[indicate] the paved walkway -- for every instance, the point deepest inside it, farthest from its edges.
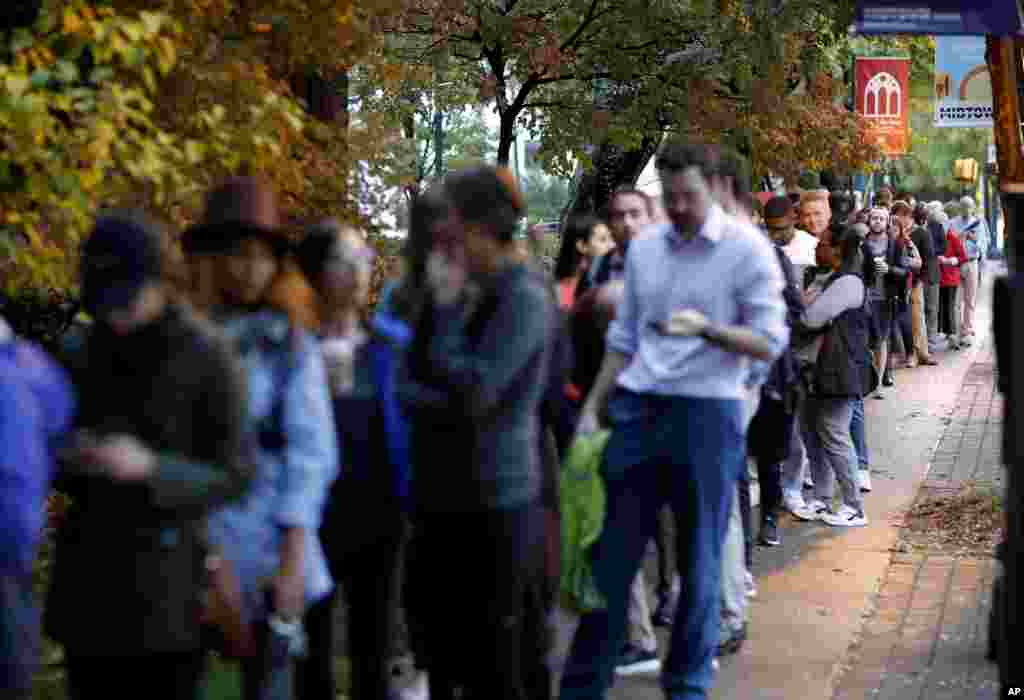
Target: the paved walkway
(841, 614)
(928, 635)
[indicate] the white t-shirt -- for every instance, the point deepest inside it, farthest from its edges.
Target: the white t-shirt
(801, 249)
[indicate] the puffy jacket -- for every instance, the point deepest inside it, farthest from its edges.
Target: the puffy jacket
(127, 573)
(954, 249)
(844, 362)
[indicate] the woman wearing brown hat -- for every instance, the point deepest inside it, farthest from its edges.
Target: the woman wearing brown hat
(246, 281)
(477, 478)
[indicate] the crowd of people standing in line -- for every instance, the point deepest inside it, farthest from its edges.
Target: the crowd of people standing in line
(239, 452)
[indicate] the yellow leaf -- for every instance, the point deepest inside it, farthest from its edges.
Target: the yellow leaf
(72, 23)
(149, 78)
(133, 30)
(194, 151)
(152, 21)
(16, 84)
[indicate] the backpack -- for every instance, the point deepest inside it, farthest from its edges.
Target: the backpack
(770, 430)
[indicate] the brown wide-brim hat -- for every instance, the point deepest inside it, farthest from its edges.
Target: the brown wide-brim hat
(238, 209)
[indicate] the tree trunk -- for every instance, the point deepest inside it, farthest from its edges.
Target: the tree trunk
(613, 168)
(506, 135)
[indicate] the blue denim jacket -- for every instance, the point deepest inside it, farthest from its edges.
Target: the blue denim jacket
(291, 484)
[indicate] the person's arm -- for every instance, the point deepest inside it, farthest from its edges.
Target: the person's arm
(612, 366)
(310, 467)
(622, 341)
(221, 409)
(845, 293)
(959, 251)
(481, 376)
(762, 332)
(742, 341)
(897, 266)
(22, 488)
(914, 261)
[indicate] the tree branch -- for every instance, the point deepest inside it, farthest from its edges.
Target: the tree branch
(571, 41)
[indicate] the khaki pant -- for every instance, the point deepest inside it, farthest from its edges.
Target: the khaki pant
(917, 322)
(639, 629)
(969, 288)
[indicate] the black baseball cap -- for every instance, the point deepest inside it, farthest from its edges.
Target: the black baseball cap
(121, 254)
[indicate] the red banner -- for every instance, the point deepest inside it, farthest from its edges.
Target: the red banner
(883, 102)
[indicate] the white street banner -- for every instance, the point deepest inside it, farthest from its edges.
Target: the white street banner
(963, 89)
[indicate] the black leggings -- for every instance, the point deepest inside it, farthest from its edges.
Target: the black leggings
(368, 577)
(481, 627)
(168, 676)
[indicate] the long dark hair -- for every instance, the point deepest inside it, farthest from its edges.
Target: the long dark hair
(853, 259)
(578, 228)
(424, 213)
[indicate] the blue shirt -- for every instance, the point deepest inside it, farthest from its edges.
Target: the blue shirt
(728, 272)
(36, 407)
(977, 248)
(291, 484)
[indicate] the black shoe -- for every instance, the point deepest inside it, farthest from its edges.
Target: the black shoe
(635, 660)
(734, 643)
(665, 613)
(888, 379)
(769, 535)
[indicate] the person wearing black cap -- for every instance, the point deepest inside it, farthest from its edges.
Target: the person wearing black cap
(799, 246)
(160, 442)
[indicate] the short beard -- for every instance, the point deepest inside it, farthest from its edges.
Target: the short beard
(784, 236)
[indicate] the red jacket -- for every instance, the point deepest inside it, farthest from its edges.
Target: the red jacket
(954, 249)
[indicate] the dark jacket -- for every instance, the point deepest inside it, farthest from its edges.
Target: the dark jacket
(938, 235)
(896, 278)
(366, 501)
(128, 567)
(922, 238)
(473, 388)
(843, 366)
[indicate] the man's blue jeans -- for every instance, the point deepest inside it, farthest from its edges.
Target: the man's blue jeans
(860, 443)
(688, 453)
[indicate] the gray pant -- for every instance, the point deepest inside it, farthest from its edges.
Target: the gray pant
(830, 449)
(734, 574)
(931, 310)
(639, 630)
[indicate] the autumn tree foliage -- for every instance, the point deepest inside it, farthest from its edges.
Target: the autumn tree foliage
(599, 82)
(148, 102)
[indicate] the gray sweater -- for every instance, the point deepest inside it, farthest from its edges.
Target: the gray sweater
(474, 393)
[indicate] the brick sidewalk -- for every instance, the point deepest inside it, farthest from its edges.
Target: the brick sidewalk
(927, 637)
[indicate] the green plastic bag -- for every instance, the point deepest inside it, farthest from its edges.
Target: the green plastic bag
(582, 501)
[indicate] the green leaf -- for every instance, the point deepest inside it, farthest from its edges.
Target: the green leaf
(67, 72)
(101, 74)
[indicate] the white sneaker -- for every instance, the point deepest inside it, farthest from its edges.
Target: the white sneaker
(817, 509)
(794, 503)
(809, 512)
(845, 517)
(864, 480)
(751, 586)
